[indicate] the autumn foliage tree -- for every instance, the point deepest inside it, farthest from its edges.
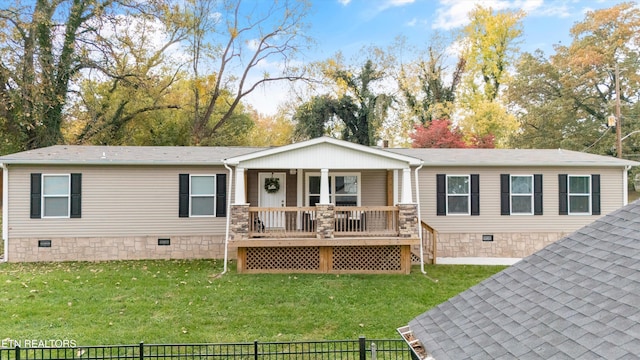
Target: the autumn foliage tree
(441, 133)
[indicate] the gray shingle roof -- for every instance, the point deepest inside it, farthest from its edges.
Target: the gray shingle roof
(161, 155)
(511, 157)
(576, 298)
(169, 155)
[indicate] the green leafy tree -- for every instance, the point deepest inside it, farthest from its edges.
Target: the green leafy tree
(489, 45)
(425, 92)
(357, 112)
(565, 100)
(45, 47)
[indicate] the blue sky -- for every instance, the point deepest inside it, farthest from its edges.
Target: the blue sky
(350, 25)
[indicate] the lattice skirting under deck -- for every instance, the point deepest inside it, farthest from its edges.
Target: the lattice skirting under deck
(325, 259)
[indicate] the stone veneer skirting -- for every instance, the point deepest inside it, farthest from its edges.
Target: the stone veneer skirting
(118, 248)
(504, 245)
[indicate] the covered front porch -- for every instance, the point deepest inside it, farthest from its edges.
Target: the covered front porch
(349, 210)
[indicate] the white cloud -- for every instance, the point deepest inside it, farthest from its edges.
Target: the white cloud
(454, 13)
(344, 2)
(253, 44)
(394, 3)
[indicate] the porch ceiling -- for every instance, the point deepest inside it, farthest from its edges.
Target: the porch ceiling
(324, 153)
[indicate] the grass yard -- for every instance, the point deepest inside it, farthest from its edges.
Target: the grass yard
(187, 302)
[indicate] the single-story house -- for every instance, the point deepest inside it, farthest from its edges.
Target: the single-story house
(318, 205)
(578, 298)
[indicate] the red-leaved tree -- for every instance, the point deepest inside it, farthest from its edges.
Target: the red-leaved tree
(441, 133)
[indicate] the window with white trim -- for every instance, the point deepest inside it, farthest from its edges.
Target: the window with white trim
(344, 189)
(521, 194)
(202, 195)
(579, 192)
(458, 194)
(56, 195)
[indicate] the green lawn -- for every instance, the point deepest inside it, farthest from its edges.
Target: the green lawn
(187, 302)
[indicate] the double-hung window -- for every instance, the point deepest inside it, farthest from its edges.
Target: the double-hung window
(56, 196)
(458, 194)
(202, 195)
(521, 194)
(344, 189)
(579, 194)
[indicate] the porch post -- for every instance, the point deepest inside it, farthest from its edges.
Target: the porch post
(407, 195)
(239, 197)
(324, 186)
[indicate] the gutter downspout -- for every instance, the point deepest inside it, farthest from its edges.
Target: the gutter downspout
(625, 185)
(419, 218)
(5, 210)
(226, 236)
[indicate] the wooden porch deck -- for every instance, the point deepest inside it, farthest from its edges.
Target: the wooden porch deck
(361, 240)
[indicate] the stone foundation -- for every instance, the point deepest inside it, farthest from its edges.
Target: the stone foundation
(127, 248)
(504, 245)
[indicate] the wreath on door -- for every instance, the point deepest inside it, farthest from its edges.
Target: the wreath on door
(272, 185)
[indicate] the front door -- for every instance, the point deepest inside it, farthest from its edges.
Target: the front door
(272, 190)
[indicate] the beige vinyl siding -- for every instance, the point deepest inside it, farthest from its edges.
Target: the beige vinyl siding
(116, 201)
(490, 220)
(374, 188)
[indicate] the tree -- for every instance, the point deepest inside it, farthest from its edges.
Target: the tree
(133, 81)
(441, 133)
(273, 33)
(356, 112)
(564, 101)
(488, 48)
(272, 130)
(424, 89)
(438, 133)
(46, 46)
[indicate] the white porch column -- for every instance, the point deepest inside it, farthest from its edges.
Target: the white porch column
(407, 195)
(239, 194)
(324, 186)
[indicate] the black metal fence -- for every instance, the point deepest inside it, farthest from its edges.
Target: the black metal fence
(360, 349)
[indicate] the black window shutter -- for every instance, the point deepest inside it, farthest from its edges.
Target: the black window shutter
(537, 194)
(36, 196)
(221, 195)
(183, 210)
(563, 206)
(505, 194)
(76, 196)
(475, 194)
(595, 194)
(441, 189)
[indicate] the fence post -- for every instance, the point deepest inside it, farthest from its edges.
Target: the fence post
(17, 352)
(255, 349)
(141, 351)
(363, 348)
(374, 349)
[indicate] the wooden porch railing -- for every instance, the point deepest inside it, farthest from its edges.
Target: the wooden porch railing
(353, 221)
(429, 242)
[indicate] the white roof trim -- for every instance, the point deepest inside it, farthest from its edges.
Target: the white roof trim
(412, 161)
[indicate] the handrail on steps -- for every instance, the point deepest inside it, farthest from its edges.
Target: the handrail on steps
(433, 237)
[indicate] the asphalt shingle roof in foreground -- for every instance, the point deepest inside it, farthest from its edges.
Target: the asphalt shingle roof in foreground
(578, 298)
